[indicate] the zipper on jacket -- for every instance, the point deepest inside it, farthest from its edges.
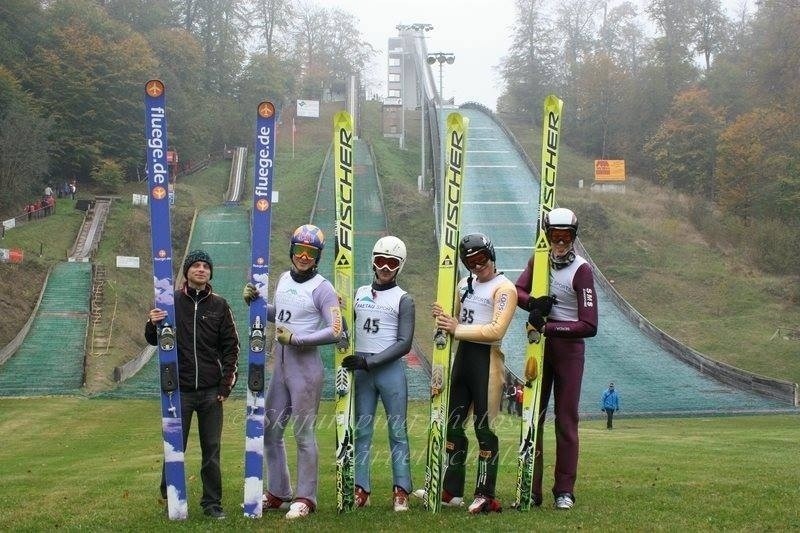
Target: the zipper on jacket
(194, 345)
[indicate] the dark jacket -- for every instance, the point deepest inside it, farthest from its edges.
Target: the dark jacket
(208, 344)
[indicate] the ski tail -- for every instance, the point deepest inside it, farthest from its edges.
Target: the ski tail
(161, 240)
(259, 276)
(540, 286)
(455, 151)
(344, 176)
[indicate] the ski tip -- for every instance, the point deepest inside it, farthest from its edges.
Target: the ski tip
(266, 109)
(552, 100)
(342, 117)
(456, 118)
(154, 88)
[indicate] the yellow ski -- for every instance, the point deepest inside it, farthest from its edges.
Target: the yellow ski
(343, 173)
(551, 132)
(455, 150)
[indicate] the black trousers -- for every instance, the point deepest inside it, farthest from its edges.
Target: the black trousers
(209, 426)
(469, 387)
(609, 418)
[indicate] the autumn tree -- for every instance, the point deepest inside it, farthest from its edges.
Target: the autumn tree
(622, 37)
(529, 69)
(87, 70)
(758, 164)
(327, 47)
(598, 105)
(267, 77)
(711, 29)
(575, 21)
(24, 144)
(773, 53)
(271, 18)
(673, 46)
(684, 147)
(180, 67)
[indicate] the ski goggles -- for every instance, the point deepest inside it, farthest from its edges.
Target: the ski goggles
(477, 259)
(300, 250)
(555, 235)
(387, 262)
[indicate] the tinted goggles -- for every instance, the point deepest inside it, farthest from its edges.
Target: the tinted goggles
(300, 250)
(477, 259)
(555, 235)
(387, 262)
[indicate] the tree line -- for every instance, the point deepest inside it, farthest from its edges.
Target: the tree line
(690, 97)
(72, 75)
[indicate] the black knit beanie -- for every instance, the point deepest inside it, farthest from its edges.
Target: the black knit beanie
(198, 255)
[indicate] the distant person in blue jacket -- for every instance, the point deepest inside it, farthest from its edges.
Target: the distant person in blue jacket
(609, 403)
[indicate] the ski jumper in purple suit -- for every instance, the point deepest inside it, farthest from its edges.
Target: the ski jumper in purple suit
(310, 309)
(573, 317)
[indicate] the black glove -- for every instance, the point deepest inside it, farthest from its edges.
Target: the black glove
(354, 362)
(534, 326)
(536, 320)
(541, 303)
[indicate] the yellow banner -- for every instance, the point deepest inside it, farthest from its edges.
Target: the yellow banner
(609, 170)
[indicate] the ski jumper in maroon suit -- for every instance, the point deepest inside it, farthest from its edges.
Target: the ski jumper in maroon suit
(572, 318)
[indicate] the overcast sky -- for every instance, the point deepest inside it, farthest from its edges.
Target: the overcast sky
(476, 31)
(478, 35)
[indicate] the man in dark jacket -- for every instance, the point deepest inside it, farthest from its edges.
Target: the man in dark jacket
(208, 351)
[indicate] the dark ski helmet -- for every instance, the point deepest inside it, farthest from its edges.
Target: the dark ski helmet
(475, 243)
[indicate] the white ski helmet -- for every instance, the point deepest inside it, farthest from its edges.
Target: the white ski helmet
(561, 218)
(390, 246)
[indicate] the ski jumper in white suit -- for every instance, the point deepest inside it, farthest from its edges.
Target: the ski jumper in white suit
(384, 319)
(310, 309)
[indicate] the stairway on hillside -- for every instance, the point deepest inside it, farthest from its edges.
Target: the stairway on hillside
(100, 327)
(91, 229)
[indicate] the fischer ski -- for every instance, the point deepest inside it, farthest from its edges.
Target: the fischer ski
(161, 239)
(259, 276)
(455, 150)
(343, 173)
(540, 286)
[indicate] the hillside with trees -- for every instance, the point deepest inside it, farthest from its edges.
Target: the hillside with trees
(72, 72)
(703, 103)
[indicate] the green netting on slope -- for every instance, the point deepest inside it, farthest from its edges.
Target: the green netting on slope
(501, 199)
(224, 232)
(50, 360)
(370, 224)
